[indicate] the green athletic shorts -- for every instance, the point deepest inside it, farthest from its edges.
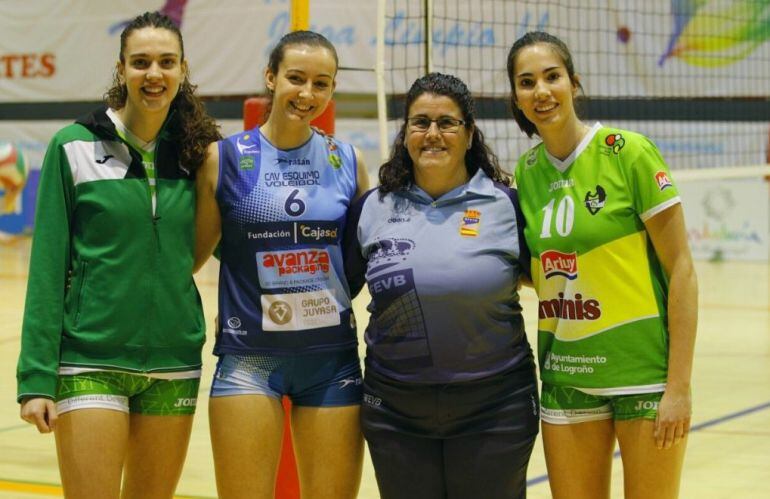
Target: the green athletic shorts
(126, 392)
(567, 405)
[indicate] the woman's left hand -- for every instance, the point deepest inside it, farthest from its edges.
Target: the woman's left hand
(673, 422)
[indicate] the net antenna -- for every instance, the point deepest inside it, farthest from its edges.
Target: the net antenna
(400, 27)
(428, 35)
(379, 71)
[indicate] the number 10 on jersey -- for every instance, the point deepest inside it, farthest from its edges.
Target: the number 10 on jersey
(564, 219)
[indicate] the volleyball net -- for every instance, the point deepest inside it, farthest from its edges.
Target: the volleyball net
(692, 76)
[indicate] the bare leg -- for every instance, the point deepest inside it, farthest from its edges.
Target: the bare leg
(91, 445)
(330, 449)
(156, 453)
(648, 472)
(579, 459)
(246, 433)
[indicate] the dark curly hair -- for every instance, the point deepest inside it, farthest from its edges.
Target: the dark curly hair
(191, 129)
(301, 37)
(398, 172)
(533, 38)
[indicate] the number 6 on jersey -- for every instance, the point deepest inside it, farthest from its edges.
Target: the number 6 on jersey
(294, 206)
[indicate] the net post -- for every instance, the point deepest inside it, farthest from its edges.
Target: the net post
(379, 71)
(299, 15)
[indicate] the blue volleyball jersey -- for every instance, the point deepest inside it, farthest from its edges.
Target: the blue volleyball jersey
(281, 282)
(443, 277)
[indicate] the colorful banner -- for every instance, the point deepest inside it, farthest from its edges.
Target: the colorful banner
(727, 219)
(66, 51)
(621, 48)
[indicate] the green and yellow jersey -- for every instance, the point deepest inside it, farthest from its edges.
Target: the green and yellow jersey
(602, 292)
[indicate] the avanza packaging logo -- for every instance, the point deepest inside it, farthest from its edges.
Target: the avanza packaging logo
(297, 262)
(557, 263)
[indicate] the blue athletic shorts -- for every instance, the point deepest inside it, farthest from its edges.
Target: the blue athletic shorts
(326, 379)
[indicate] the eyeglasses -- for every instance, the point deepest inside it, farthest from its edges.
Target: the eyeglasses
(446, 124)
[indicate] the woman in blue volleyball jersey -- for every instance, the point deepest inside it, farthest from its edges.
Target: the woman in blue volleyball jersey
(275, 198)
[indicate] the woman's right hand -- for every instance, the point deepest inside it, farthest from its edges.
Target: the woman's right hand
(40, 412)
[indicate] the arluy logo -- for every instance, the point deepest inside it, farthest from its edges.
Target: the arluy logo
(557, 263)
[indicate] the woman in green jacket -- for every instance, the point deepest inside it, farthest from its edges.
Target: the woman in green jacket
(112, 361)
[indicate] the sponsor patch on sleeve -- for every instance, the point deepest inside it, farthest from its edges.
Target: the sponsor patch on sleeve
(662, 179)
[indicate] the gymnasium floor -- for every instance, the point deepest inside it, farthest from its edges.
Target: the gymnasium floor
(729, 448)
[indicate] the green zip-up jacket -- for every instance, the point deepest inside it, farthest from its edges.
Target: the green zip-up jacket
(132, 304)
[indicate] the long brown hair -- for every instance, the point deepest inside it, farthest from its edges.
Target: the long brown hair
(191, 129)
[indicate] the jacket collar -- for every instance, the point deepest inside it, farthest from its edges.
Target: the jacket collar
(479, 186)
(166, 162)
(100, 124)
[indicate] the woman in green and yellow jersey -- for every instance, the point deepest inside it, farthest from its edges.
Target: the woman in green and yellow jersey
(616, 286)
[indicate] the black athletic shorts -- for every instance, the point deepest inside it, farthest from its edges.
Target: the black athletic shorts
(503, 403)
(453, 441)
